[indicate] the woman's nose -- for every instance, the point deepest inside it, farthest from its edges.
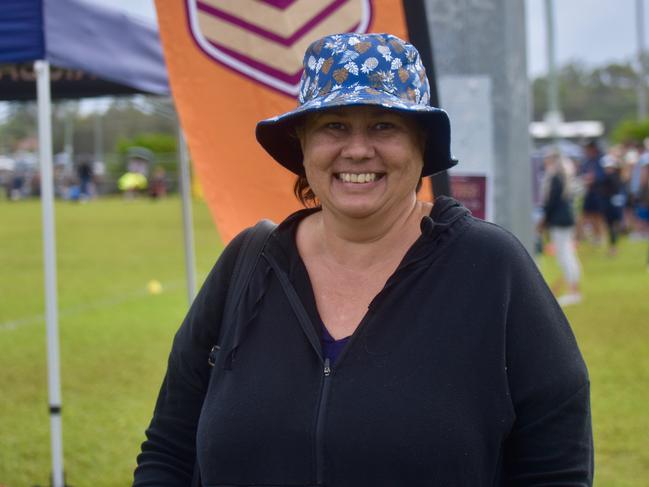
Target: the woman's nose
(358, 146)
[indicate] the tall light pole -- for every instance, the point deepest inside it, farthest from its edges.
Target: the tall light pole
(640, 87)
(98, 138)
(553, 116)
(68, 135)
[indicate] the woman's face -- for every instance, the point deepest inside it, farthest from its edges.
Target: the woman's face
(361, 161)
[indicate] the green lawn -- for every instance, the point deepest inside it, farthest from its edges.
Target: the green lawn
(612, 328)
(115, 337)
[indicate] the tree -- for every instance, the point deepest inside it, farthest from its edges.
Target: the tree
(125, 117)
(631, 131)
(606, 93)
(20, 123)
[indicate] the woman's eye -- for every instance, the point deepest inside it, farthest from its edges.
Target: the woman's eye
(384, 126)
(335, 126)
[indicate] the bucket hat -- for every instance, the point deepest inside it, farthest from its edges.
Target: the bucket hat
(361, 69)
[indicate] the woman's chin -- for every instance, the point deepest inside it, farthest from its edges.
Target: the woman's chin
(356, 200)
(356, 208)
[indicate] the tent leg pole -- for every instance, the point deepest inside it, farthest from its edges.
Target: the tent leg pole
(188, 230)
(42, 69)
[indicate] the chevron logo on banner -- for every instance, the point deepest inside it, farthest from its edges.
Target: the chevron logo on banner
(266, 39)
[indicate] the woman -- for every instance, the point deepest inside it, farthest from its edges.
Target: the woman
(382, 340)
(559, 220)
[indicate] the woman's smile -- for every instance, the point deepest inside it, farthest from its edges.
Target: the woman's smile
(358, 178)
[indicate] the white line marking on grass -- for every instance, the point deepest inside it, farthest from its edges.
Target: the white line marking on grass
(94, 305)
(13, 324)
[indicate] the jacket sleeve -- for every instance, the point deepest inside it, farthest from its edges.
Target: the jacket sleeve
(550, 443)
(168, 453)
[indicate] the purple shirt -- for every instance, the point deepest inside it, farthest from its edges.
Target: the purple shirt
(331, 347)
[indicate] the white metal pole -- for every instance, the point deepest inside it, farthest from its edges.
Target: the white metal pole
(188, 229)
(42, 69)
(641, 88)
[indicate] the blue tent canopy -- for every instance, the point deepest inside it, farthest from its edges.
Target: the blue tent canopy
(21, 31)
(79, 35)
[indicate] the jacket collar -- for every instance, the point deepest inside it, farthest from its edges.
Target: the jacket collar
(436, 228)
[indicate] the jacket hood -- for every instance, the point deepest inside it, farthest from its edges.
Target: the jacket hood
(446, 211)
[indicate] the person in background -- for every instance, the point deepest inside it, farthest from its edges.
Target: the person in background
(639, 193)
(382, 340)
(18, 180)
(592, 213)
(84, 172)
(559, 221)
(614, 199)
(158, 183)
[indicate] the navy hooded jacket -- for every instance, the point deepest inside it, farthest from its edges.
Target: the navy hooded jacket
(464, 372)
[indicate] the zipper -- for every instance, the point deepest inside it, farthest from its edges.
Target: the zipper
(319, 428)
(309, 330)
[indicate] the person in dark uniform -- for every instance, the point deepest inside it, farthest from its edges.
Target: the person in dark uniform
(614, 200)
(594, 204)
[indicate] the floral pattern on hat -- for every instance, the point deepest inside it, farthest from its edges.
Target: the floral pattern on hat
(360, 69)
(339, 66)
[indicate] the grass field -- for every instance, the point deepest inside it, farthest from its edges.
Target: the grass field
(115, 337)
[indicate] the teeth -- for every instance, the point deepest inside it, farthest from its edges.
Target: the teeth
(361, 178)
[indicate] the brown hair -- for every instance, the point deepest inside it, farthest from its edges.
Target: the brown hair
(304, 193)
(301, 188)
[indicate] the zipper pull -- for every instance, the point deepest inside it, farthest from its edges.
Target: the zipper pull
(327, 367)
(211, 359)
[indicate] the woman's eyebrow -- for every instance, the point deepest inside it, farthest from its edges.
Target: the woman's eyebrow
(337, 112)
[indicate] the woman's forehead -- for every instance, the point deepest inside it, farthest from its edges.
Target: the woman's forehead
(361, 111)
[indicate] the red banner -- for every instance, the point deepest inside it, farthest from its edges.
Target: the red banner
(471, 191)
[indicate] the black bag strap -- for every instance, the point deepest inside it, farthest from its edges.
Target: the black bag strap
(249, 254)
(296, 305)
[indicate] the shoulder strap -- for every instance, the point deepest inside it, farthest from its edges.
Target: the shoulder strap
(246, 262)
(296, 305)
(249, 254)
(253, 243)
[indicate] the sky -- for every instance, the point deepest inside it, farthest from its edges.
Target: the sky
(594, 32)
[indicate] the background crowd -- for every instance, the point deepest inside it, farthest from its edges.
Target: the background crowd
(595, 196)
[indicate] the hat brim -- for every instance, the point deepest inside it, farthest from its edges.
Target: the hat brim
(277, 135)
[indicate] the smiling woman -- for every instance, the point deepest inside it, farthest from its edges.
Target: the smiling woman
(381, 340)
(360, 159)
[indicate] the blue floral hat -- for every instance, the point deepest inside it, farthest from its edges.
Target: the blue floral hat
(361, 69)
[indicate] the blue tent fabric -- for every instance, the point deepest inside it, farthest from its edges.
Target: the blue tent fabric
(81, 35)
(21, 31)
(106, 43)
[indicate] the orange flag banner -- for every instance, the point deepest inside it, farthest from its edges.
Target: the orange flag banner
(232, 63)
